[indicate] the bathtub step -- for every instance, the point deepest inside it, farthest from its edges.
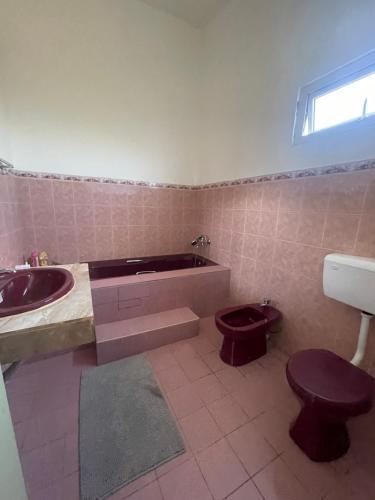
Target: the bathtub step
(120, 339)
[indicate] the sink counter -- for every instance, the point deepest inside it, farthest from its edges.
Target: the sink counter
(67, 322)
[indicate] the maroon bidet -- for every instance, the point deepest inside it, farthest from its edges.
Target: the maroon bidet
(331, 390)
(244, 329)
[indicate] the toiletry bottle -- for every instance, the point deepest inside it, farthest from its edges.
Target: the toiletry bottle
(43, 258)
(34, 259)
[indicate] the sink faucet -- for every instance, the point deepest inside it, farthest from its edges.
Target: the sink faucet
(201, 241)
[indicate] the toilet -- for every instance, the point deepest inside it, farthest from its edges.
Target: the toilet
(331, 389)
(244, 330)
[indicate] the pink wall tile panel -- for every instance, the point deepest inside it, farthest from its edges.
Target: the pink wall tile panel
(90, 221)
(15, 219)
(274, 236)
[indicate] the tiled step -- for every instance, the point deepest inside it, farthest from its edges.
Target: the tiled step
(119, 339)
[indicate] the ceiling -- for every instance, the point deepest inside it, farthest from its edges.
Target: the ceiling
(195, 12)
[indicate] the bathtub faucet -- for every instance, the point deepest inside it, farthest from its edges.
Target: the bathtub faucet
(202, 241)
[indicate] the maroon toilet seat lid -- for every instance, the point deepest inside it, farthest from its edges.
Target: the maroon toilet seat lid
(320, 374)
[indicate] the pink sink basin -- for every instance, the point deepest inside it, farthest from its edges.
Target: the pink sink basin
(30, 289)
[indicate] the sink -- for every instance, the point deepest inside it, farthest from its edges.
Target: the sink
(30, 289)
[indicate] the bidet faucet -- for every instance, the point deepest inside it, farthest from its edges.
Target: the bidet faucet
(201, 241)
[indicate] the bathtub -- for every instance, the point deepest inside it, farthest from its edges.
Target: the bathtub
(145, 265)
(132, 287)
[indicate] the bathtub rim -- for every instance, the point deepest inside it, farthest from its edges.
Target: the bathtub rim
(160, 275)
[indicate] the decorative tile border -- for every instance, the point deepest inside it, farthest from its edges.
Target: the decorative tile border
(102, 180)
(355, 166)
(297, 174)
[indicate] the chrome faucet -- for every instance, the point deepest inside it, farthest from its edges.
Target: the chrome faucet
(201, 241)
(7, 270)
(266, 302)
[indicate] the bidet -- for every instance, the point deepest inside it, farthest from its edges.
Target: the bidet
(244, 329)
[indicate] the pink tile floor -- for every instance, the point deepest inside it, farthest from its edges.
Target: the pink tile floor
(234, 421)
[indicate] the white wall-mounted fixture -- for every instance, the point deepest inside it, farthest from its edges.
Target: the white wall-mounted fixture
(351, 280)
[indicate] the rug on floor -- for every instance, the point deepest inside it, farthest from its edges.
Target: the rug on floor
(125, 426)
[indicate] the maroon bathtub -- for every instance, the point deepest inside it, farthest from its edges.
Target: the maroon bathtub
(145, 265)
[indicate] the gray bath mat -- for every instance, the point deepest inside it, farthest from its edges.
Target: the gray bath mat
(125, 428)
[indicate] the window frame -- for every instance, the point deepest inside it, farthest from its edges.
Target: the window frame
(341, 76)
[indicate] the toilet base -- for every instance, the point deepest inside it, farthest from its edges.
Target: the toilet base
(241, 352)
(320, 437)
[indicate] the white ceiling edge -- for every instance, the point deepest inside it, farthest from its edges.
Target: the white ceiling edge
(197, 13)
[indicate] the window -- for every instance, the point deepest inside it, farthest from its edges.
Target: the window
(340, 100)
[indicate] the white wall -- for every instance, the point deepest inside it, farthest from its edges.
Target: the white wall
(257, 55)
(120, 89)
(12, 486)
(4, 140)
(106, 88)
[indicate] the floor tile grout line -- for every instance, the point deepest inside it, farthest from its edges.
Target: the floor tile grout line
(292, 471)
(204, 477)
(160, 490)
(200, 450)
(233, 430)
(205, 404)
(259, 491)
(265, 466)
(241, 485)
(243, 465)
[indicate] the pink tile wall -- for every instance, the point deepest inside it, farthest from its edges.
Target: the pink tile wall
(274, 236)
(78, 221)
(14, 219)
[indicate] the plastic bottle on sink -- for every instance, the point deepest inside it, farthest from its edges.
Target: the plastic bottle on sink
(34, 258)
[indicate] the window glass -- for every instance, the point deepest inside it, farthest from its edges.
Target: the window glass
(349, 102)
